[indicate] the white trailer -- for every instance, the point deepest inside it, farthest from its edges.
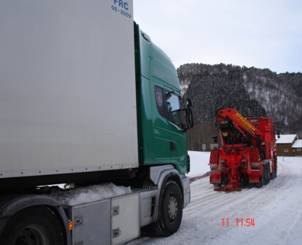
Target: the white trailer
(74, 58)
(70, 105)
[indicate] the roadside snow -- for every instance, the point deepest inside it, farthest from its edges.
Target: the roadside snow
(90, 194)
(199, 163)
(275, 208)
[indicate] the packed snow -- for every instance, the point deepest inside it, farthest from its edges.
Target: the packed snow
(199, 163)
(275, 209)
(90, 194)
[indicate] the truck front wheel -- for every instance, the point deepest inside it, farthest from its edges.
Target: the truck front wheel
(170, 209)
(34, 226)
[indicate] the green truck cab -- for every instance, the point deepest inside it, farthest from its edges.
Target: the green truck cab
(161, 118)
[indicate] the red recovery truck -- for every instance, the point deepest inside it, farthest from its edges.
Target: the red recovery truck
(246, 153)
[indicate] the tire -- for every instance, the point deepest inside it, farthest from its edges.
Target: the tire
(260, 184)
(262, 179)
(170, 210)
(34, 226)
(268, 173)
(274, 175)
(276, 170)
(265, 174)
(217, 186)
(244, 181)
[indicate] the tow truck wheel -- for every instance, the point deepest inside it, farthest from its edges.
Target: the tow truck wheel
(265, 173)
(170, 209)
(34, 226)
(217, 187)
(262, 179)
(268, 174)
(274, 175)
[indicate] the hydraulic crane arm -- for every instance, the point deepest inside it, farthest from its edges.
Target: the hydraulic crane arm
(240, 123)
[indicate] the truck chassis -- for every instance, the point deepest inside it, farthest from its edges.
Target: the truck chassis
(44, 219)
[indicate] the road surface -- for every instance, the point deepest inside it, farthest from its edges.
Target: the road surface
(276, 210)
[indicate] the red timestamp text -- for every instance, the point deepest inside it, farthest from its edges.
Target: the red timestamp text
(237, 222)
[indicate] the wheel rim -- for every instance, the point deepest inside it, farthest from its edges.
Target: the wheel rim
(172, 208)
(32, 235)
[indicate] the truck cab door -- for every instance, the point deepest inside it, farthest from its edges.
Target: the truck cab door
(169, 137)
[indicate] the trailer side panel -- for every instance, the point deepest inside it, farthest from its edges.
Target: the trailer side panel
(67, 87)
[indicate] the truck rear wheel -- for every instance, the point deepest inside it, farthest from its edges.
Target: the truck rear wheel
(268, 170)
(265, 173)
(170, 209)
(34, 226)
(262, 178)
(274, 175)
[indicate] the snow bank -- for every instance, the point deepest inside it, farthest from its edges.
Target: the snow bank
(90, 194)
(199, 163)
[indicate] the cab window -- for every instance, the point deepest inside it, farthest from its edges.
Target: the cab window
(167, 104)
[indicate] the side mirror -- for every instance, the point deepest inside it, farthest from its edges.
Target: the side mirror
(189, 117)
(189, 103)
(181, 118)
(185, 118)
(190, 121)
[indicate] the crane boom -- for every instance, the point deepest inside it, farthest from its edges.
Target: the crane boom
(238, 121)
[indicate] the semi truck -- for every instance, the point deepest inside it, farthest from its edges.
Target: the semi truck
(246, 153)
(87, 99)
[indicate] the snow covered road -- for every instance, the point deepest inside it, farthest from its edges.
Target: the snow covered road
(276, 210)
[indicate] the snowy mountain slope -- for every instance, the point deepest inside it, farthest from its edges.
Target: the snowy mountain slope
(252, 91)
(275, 94)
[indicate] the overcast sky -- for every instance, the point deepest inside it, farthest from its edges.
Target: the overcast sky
(260, 33)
